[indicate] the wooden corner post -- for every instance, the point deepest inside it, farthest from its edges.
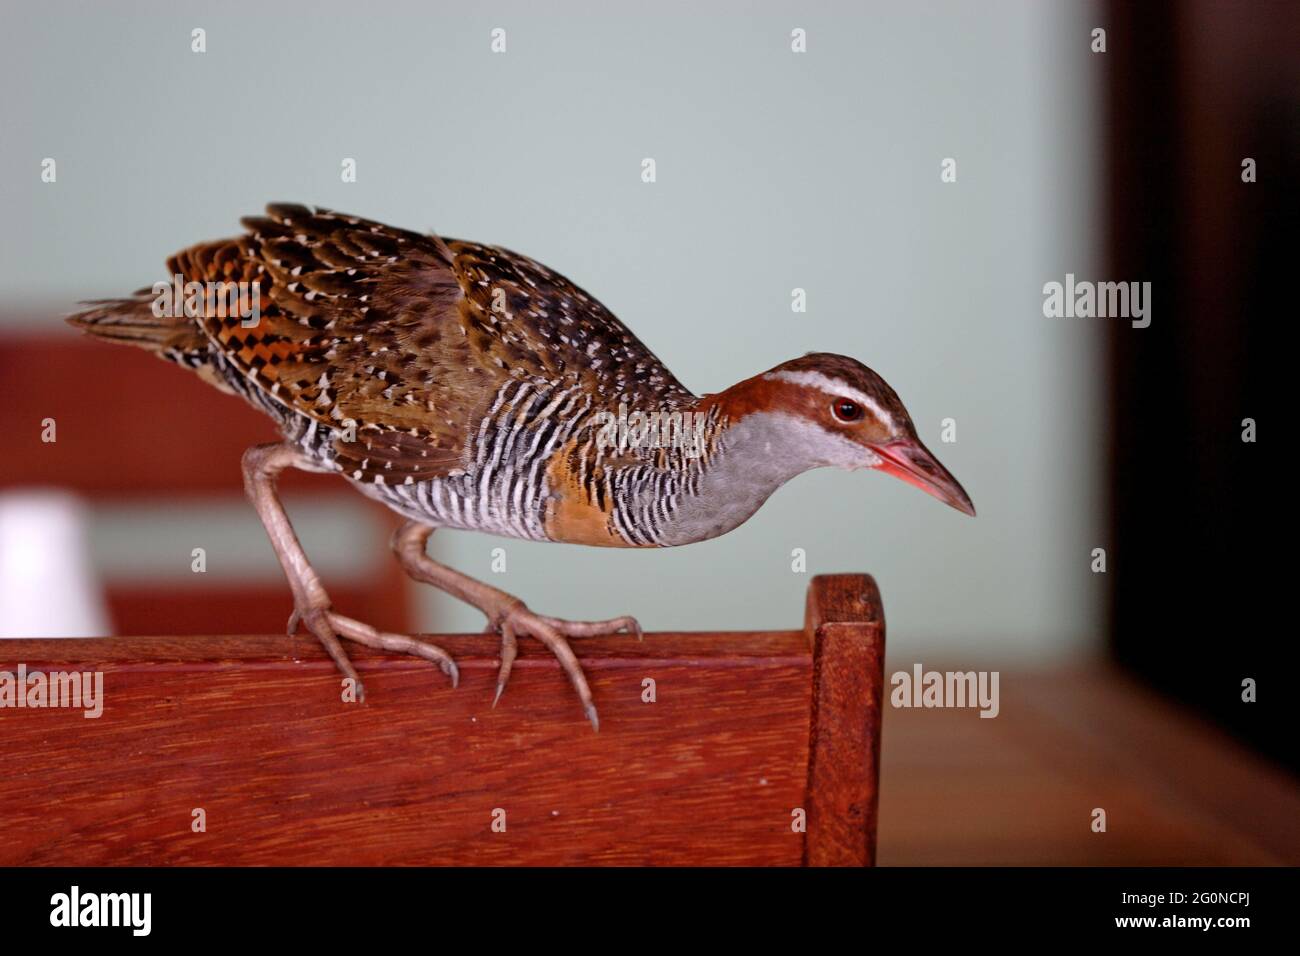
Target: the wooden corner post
(845, 625)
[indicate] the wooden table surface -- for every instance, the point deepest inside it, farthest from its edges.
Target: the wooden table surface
(1019, 789)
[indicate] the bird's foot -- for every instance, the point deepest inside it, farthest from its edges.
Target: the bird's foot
(328, 626)
(514, 619)
(615, 625)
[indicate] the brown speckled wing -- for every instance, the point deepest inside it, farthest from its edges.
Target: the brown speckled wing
(531, 321)
(408, 336)
(359, 324)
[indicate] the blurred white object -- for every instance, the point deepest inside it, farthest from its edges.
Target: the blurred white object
(47, 585)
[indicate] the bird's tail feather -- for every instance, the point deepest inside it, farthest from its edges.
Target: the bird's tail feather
(133, 322)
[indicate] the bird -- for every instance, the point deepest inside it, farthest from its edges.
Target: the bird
(467, 386)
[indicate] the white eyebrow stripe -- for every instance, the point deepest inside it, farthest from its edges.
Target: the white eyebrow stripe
(833, 389)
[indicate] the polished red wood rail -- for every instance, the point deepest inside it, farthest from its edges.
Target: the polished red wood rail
(713, 748)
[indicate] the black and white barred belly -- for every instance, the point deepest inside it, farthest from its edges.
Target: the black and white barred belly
(502, 488)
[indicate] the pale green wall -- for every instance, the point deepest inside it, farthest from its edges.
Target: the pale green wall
(775, 170)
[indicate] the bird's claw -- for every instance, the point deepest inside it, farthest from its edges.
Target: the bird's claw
(516, 620)
(328, 626)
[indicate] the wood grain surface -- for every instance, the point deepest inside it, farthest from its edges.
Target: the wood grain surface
(846, 629)
(253, 731)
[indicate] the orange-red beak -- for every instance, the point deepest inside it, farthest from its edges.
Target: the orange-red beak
(908, 459)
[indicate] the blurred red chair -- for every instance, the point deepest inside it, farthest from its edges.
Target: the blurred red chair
(131, 427)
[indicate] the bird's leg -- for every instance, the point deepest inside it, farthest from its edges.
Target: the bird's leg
(506, 613)
(311, 605)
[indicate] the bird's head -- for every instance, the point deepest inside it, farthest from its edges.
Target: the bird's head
(831, 410)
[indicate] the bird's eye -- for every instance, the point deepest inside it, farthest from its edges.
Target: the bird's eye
(846, 410)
